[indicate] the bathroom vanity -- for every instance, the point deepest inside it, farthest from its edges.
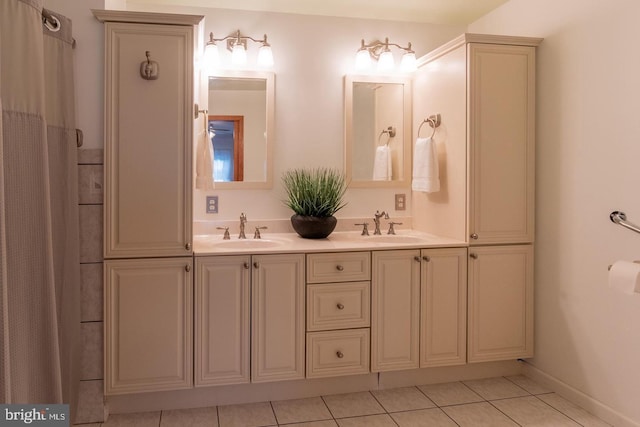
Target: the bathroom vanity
(202, 320)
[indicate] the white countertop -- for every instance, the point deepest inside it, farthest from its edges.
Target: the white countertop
(340, 241)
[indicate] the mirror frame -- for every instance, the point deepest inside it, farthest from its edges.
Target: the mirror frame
(269, 78)
(404, 180)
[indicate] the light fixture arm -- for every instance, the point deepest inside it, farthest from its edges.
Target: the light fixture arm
(376, 47)
(237, 39)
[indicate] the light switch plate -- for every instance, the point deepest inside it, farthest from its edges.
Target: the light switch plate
(212, 204)
(401, 202)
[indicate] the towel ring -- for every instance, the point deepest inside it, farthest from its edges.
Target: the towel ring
(434, 121)
(391, 131)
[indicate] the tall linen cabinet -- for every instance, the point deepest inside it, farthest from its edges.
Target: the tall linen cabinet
(147, 207)
(483, 87)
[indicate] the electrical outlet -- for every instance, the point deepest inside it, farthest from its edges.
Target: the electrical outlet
(401, 202)
(212, 204)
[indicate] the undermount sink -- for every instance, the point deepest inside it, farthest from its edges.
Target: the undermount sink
(395, 238)
(247, 244)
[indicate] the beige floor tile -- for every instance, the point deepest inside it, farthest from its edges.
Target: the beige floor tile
(198, 417)
(383, 420)
(481, 414)
(402, 399)
(450, 394)
(572, 411)
(531, 411)
(300, 410)
(352, 405)
(247, 415)
(528, 384)
(496, 388)
(423, 418)
(139, 419)
(325, 423)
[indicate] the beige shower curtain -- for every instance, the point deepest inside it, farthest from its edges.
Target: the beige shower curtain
(39, 262)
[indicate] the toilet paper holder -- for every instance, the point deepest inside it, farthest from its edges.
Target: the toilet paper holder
(611, 265)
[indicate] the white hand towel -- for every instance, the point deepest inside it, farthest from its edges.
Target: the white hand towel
(204, 162)
(425, 166)
(382, 164)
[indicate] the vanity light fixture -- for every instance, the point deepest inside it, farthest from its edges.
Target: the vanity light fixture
(381, 52)
(237, 45)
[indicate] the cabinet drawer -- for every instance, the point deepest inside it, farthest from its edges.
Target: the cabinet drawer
(338, 306)
(335, 353)
(338, 267)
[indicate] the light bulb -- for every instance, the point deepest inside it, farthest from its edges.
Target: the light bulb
(363, 60)
(238, 55)
(409, 63)
(265, 57)
(210, 58)
(385, 61)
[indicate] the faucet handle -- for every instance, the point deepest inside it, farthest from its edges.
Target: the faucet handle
(226, 232)
(256, 235)
(391, 229)
(365, 228)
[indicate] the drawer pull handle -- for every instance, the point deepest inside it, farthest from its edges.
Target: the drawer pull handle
(188, 246)
(339, 267)
(187, 268)
(474, 236)
(473, 255)
(426, 258)
(246, 265)
(339, 354)
(417, 258)
(340, 306)
(256, 265)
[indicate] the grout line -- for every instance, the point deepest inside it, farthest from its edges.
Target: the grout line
(328, 408)
(160, 420)
(273, 411)
(505, 414)
(218, 415)
(559, 411)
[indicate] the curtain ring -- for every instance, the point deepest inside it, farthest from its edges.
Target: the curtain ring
(52, 23)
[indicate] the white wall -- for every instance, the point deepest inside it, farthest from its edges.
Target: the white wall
(588, 133)
(312, 54)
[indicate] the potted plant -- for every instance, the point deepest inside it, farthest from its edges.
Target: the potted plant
(314, 195)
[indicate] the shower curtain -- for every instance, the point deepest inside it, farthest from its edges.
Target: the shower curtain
(39, 262)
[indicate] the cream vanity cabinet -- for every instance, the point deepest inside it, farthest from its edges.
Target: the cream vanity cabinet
(338, 313)
(483, 87)
(249, 318)
(418, 308)
(149, 79)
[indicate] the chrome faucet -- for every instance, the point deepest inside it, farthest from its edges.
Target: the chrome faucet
(243, 221)
(376, 220)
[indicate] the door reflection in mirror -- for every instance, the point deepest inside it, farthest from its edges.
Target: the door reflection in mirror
(227, 136)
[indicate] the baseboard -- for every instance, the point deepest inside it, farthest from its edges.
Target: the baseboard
(574, 395)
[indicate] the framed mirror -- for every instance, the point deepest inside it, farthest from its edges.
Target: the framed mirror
(240, 123)
(377, 131)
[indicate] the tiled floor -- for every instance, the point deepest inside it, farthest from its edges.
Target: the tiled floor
(494, 402)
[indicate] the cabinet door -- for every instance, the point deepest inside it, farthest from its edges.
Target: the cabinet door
(501, 140)
(277, 317)
(148, 141)
(500, 303)
(222, 320)
(443, 315)
(395, 310)
(148, 331)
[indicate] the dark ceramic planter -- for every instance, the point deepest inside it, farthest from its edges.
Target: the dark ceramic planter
(313, 227)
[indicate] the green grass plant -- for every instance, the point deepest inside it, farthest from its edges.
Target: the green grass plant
(315, 192)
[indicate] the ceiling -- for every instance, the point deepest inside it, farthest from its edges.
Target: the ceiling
(456, 12)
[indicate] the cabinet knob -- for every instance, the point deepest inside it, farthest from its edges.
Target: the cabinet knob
(188, 246)
(426, 258)
(473, 255)
(340, 306)
(256, 264)
(339, 354)
(417, 258)
(246, 265)
(474, 236)
(187, 268)
(339, 267)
